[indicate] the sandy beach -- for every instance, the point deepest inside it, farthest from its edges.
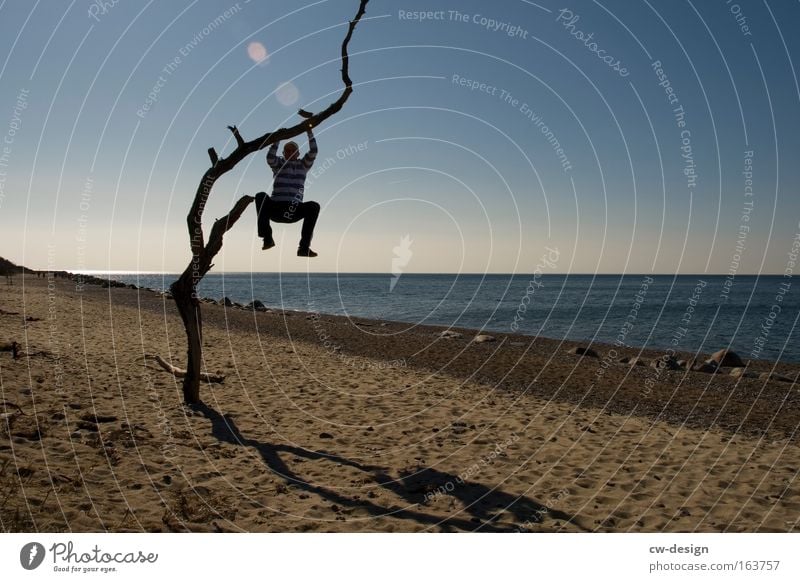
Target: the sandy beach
(329, 424)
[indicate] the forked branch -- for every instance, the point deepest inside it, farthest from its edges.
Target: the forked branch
(184, 289)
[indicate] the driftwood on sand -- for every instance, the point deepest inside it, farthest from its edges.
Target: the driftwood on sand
(180, 373)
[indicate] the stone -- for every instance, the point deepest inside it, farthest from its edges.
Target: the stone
(707, 367)
(665, 362)
(450, 334)
(724, 358)
(483, 338)
(582, 351)
(226, 302)
(743, 373)
(256, 306)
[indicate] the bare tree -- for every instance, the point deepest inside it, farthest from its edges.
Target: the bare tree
(184, 290)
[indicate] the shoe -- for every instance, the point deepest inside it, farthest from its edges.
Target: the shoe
(268, 244)
(306, 253)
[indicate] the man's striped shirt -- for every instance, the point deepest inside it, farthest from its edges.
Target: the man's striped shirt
(289, 177)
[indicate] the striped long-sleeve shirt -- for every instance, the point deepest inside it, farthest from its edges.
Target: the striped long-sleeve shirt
(289, 177)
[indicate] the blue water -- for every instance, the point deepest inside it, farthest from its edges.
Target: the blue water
(576, 307)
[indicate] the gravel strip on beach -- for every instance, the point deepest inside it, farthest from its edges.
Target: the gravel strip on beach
(537, 366)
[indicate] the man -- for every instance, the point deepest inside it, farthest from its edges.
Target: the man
(286, 203)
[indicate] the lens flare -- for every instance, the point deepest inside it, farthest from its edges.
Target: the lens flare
(287, 94)
(257, 52)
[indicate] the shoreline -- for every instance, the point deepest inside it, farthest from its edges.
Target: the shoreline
(652, 349)
(383, 428)
(535, 365)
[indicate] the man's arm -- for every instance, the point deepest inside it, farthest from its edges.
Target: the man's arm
(311, 155)
(273, 161)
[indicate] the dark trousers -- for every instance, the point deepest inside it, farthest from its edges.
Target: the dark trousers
(286, 212)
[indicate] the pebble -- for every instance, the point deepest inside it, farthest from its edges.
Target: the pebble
(707, 367)
(726, 358)
(743, 373)
(582, 351)
(449, 334)
(668, 363)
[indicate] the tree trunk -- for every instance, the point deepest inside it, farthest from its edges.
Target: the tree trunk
(184, 290)
(185, 295)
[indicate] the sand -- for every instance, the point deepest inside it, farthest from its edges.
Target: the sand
(384, 428)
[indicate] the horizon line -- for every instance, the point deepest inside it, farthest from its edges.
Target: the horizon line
(97, 272)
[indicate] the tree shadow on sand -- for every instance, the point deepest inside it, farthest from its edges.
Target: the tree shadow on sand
(483, 505)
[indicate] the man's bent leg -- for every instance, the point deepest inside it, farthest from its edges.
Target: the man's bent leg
(309, 211)
(264, 210)
(263, 204)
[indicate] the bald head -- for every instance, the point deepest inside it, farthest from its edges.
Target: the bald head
(290, 151)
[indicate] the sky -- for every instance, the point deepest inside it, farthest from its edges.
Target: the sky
(628, 136)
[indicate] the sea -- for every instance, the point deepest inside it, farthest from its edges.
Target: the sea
(756, 316)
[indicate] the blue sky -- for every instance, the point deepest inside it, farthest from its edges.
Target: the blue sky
(451, 137)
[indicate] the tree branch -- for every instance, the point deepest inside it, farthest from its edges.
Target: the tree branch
(202, 262)
(224, 224)
(236, 134)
